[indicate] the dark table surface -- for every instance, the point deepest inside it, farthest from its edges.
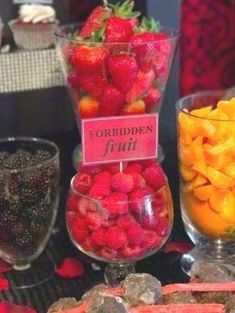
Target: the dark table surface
(166, 267)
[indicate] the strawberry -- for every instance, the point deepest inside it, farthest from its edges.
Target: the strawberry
(144, 47)
(123, 70)
(141, 85)
(134, 22)
(73, 80)
(111, 101)
(135, 107)
(88, 107)
(89, 59)
(94, 22)
(118, 30)
(93, 84)
(152, 99)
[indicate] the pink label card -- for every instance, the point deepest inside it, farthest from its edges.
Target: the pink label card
(116, 139)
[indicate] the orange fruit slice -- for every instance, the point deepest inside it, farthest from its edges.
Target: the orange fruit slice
(187, 125)
(196, 182)
(187, 173)
(230, 170)
(218, 179)
(227, 107)
(203, 192)
(226, 146)
(204, 219)
(202, 112)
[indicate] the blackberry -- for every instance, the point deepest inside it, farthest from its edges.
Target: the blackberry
(30, 213)
(29, 193)
(12, 162)
(24, 238)
(3, 156)
(8, 218)
(38, 227)
(42, 155)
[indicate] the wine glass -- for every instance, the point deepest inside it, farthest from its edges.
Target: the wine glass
(29, 196)
(117, 227)
(206, 145)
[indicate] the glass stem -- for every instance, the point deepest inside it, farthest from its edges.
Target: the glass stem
(115, 273)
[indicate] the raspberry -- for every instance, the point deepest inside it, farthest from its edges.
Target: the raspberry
(115, 168)
(85, 205)
(155, 177)
(148, 163)
(136, 199)
(163, 226)
(134, 168)
(98, 237)
(149, 221)
(91, 169)
(93, 220)
(151, 240)
(107, 253)
(130, 251)
(87, 244)
(126, 221)
(115, 238)
(122, 182)
(72, 202)
(79, 234)
(103, 177)
(135, 235)
(82, 183)
(139, 181)
(116, 203)
(70, 217)
(99, 190)
(79, 230)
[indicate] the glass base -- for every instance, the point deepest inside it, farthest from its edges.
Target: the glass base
(115, 273)
(192, 258)
(30, 275)
(76, 157)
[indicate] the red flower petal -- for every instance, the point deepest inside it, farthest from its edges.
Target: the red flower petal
(4, 266)
(180, 247)
(70, 267)
(8, 307)
(4, 284)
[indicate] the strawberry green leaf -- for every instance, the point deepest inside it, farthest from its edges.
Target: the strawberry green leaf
(149, 25)
(124, 10)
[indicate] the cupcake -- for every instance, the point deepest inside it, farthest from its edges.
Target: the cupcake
(34, 27)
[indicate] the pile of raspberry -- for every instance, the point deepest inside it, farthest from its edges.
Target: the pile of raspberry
(119, 215)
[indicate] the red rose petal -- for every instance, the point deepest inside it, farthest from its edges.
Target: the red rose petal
(70, 268)
(4, 284)
(180, 247)
(8, 307)
(4, 266)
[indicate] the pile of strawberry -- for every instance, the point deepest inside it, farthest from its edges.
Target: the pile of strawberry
(117, 215)
(117, 65)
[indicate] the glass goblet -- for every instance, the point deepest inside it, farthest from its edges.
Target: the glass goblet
(206, 145)
(119, 229)
(29, 196)
(90, 88)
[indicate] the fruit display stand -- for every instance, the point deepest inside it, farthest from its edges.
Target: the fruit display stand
(30, 70)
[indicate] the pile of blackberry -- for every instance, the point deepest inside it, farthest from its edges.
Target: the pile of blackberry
(27, 199)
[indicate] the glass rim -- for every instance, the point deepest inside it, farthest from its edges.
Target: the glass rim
(32, 140)
(149, 197)
(173, 35)
(201, 94)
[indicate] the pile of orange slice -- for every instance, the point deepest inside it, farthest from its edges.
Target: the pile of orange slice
(206, 148)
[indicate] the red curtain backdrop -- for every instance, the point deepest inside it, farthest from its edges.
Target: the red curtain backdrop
(207, 45)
